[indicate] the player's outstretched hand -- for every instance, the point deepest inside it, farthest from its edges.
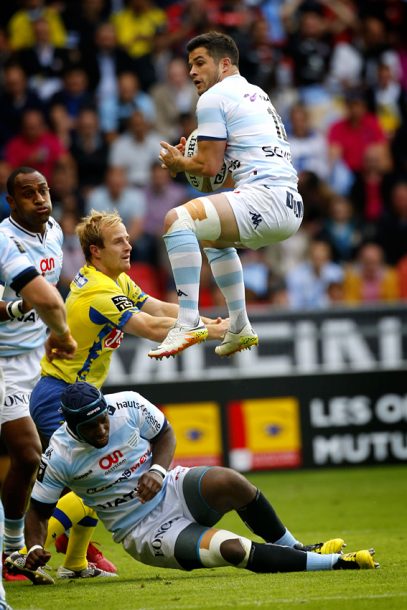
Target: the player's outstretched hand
(216, 328)
(149, 485)
(60, 346)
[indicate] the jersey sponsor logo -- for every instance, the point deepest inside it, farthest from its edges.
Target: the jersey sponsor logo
(122, 302)
(83, 476)
(113, 339)
(126, 404)
(41, 471)
(117, 501)
(47, 264)
(149, 418)
(276, 151)
(108, 461)
(127, 474)
(31, 316)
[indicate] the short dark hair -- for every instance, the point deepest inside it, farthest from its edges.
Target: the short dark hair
(217, 44)
(11, 180)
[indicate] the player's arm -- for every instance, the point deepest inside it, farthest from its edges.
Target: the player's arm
(150, 327)
(36, 526)
(155, 307)
(207, 161)
(50, 307)
(163, 448)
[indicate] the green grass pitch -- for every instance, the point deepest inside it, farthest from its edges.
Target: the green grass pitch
(365, 506)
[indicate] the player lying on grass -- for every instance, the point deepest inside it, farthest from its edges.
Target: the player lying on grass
(115, 452)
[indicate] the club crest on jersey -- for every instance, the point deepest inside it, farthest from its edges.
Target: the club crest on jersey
(122, 302)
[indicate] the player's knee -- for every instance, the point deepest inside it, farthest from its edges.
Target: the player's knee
(222, 548)
(170, 217)
(198, 215)
(232, 551)
(27, 460)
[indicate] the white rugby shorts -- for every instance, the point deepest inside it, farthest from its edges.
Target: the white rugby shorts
(153, 540)
(265, 214)
(21, 373)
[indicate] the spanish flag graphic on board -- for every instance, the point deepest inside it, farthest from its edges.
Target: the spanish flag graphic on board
(264, 433)
(197, 427)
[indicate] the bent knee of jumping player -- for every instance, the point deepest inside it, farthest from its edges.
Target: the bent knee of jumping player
(198, 215)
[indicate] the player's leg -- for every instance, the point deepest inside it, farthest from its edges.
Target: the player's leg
(45, 406)
(22, 442)
(72, 514)
(224, 489)
(3, 603)
(227, 271)
(211, 492)
(24, 449)
(204, 218)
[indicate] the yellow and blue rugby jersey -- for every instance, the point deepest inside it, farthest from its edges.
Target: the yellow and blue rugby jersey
(97, 309)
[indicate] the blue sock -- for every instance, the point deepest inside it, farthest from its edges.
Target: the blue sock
(186, 262)
(321, 562)
(13, 534)
(287, 539)
(228, 274)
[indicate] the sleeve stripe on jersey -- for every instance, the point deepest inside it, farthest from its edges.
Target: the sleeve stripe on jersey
(24, 278)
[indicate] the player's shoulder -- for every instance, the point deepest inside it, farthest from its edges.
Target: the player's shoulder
(89, 277)
(125, 403)
(7, 228)
(60, 448)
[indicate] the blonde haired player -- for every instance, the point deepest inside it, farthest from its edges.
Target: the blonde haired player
(103, 304)
(236, 123)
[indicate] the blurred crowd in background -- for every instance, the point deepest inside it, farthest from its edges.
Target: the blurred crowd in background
(88, 88)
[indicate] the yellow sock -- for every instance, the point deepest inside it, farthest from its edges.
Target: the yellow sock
(71, 513)
(79, 538)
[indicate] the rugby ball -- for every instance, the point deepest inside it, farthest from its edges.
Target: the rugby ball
(205, 184)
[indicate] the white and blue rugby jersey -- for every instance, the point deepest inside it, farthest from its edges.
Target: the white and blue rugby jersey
(106, 479)
(45, 252)
(257, 148)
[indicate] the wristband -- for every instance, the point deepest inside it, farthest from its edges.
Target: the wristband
(160, 469)
(35, 547)
(14, 309)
